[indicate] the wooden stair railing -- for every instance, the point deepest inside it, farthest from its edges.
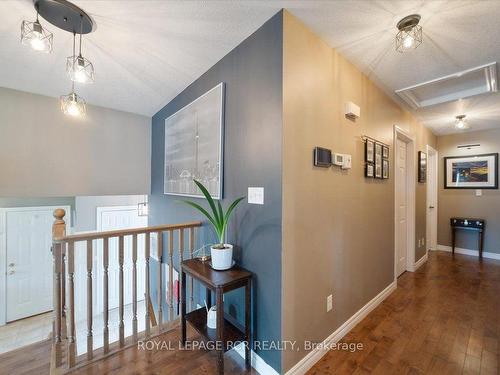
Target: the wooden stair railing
(64, 354)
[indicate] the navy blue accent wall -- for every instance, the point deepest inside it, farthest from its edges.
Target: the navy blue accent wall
(253, 76)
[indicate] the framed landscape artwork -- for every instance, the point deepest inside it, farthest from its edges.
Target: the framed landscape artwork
(471, 172)
(194, 146)
(422, 166)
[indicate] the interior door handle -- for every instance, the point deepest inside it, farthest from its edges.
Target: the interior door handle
(431, 206)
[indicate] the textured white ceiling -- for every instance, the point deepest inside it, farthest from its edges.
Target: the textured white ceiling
(146, 52)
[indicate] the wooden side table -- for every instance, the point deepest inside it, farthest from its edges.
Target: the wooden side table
(220, 282)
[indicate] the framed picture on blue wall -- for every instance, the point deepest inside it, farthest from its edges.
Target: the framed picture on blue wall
(194, 145)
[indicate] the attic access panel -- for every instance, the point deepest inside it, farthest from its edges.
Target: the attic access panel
(471, 82)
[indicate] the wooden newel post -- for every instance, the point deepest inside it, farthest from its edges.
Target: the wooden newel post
(58, 231)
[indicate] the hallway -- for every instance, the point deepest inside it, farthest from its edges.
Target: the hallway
(442, 319)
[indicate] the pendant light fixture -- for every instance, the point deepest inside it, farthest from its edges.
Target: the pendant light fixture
(78, 68)
(409, 35)
(460, 122)
(68, 17)
(72, 104)
(35, 36)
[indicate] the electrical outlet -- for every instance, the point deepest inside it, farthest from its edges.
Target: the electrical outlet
(329, 303)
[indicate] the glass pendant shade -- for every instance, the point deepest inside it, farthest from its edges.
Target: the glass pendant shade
(35, 36)
(409, 35)
(79, 69)
(73, 105)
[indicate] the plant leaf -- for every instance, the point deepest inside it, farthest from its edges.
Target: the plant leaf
(204, 212)
(218, 220)
(221, 211)
(229, 211)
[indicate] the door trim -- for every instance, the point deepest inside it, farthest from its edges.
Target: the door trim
(431, 150)
(3, 249)
(404, 136)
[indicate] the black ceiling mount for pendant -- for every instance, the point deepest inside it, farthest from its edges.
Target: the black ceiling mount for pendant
(65, 15)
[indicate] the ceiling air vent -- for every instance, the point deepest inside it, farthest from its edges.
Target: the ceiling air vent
(471, 82)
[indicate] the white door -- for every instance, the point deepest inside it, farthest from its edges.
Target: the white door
(432, 204)
(401, 206)
(115, 218)
(29, 261)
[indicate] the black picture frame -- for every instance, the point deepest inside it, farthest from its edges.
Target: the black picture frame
(369, 170)
(385, 152)
(422, 167)
(369, 151)
(378, 160)
(447, 185)
(385, 169)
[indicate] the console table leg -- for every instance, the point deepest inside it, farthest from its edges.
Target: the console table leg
(247, 323)
(480, 244)
(183, 308)
(208, 297)
(220, 330)
(453, 240)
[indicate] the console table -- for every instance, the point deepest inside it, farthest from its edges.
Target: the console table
(220, 282)
(477, 225)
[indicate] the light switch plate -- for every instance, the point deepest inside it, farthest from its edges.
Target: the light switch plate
(479, 192)
(329, 303)
(256, 195)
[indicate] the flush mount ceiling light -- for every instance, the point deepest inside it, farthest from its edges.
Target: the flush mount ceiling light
(35, 36)
(409, 35)
(460, 122)
(73, 105)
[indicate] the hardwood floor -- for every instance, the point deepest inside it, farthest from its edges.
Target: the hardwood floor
(442, 319)
(35, 360)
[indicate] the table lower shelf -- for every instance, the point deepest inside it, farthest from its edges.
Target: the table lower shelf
(198, 319)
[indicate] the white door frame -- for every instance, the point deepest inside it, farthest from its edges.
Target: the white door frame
(3, 249)
(404, 136)
(430, 195)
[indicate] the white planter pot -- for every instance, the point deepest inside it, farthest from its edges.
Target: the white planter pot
(222, 259)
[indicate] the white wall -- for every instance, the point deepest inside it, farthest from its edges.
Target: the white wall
(44, 153)
(86, 208)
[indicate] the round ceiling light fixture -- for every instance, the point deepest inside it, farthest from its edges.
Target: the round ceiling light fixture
(35, 36)
(409, 35)
(460, 122)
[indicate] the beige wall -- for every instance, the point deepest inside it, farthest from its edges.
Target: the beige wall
(455, 202)
(338, 235)
(44, 153)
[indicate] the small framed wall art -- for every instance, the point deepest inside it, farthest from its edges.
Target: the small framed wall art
(422, 166)
(385, 169)
(369, 170)
(378, 160)
(385, 152)
(369, 151)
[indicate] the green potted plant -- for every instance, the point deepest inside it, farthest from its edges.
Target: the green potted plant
(221, 253)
